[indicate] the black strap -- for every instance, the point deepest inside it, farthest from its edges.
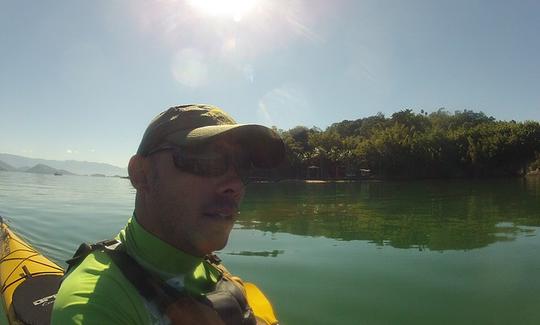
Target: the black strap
(143, 281)
(147, 285)
(85, 249)
(227, 299)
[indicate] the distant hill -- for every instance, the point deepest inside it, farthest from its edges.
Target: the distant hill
(73, 166)
(4, 166)
(44, 169)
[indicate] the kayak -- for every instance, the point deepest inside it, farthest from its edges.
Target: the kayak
(29, 283)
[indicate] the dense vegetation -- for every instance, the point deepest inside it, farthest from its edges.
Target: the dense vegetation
(413, 145)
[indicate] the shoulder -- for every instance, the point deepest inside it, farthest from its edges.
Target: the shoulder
(96, 292)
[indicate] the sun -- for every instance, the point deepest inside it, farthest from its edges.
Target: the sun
(234, 9)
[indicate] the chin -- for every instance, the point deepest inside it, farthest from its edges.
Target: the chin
(215, 246)
(221, 245)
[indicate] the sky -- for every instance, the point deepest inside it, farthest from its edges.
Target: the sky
(80, 80)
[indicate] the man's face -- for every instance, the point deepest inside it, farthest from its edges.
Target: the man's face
(194, 213)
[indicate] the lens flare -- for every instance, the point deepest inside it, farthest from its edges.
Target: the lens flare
(234, 9)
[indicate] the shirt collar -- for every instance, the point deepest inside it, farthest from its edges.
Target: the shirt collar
(155, 254)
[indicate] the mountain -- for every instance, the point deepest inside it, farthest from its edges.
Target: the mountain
(4, 166)
(44, 169)
(72, 166)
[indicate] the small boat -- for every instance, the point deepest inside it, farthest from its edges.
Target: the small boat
(57, 174)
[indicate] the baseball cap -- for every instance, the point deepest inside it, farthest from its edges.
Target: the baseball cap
(199, 124)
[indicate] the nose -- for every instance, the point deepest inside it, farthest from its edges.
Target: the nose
(231, 185)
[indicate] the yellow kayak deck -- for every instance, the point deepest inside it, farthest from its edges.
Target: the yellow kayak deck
(25, 269)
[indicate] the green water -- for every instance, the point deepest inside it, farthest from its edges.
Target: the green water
(423, 252)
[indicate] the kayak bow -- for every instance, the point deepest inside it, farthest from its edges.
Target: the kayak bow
(28, 280)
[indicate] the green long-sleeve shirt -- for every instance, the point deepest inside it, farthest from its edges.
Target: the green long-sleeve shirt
(96, 292)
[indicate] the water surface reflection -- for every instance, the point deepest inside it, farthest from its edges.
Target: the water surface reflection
(435, 215)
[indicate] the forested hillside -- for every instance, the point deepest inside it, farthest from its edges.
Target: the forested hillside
(413, 145)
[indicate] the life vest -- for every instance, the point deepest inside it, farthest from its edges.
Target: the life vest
(227, 299)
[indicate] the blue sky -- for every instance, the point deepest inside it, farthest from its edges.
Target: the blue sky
(81, 79)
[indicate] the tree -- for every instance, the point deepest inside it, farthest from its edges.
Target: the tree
(407, 144)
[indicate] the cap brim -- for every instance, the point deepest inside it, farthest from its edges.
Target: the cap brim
(263, 144)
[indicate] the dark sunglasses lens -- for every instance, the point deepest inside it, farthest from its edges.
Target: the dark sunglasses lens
(201, 164)
(212, 164)
(213, 168)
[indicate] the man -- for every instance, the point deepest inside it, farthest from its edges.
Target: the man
(189, 174)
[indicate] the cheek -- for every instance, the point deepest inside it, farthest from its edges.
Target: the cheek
(181, 193)
(165, 193)
(173, 195)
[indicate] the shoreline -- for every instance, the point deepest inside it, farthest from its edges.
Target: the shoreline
(374, 179)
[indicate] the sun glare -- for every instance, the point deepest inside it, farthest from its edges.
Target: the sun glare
(235, 9)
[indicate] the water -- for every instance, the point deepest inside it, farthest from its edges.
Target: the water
(423, 252)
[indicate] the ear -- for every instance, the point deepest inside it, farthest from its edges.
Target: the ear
(137, 172)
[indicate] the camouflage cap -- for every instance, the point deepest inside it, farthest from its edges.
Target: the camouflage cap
(192, 125)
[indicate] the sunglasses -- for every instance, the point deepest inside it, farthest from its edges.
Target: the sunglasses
(210, 163)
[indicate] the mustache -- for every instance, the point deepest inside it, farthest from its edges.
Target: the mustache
(219, 203)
